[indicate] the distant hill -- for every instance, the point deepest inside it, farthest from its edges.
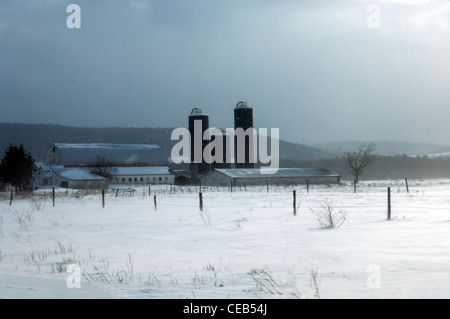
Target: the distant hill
(36, 138)
(386, 148)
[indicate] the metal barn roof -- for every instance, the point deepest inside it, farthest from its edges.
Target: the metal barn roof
(116, 153)
(77, 174)
(282, 172)
(147, 170)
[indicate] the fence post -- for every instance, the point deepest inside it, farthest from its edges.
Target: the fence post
(307, 185)
(389, 204)
(407, 188)
(267, 183)
(295, 203)
(103, 198)
(354, 186)
(11, 197)
(201, 201)
(154, 201)
(53, 196)
(231, 186)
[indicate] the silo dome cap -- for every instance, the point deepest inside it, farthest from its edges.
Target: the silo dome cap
(197, 110)
(241, 104)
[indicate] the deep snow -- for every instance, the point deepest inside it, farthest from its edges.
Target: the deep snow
(245, 243)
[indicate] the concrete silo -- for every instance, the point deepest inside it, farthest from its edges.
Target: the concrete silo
(243, 118)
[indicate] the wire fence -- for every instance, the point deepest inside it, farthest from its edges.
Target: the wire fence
(373, 194)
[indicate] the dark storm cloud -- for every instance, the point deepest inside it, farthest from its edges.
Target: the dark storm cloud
(312, 68)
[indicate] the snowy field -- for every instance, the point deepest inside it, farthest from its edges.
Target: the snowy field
(244, 244)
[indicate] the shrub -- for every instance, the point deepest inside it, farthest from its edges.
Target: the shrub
(328, 216)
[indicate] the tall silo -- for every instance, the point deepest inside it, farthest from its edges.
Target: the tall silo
(198, 164)
(243, 118)
(226, 163)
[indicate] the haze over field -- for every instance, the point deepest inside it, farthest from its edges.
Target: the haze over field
(314, 69)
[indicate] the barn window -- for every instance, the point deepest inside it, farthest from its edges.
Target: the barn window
(135, 179)
(123, 179)
(142, 179)
(129, 179)
(160, 179)
(54, 149)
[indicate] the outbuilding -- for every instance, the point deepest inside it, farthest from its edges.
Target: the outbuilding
(143, 175)
(5, 187)
(284, 176)
(77, 178)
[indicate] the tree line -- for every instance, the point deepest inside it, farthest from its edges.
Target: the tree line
(18, 166)
(384, 167)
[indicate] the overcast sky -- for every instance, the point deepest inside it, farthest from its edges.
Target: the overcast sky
(314, 69)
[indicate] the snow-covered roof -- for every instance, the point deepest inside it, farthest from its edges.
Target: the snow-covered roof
(282, 172)
(81, 173)
(77, 174)
(43, 170)
(147, 170)
(116, 153)
(106, 146)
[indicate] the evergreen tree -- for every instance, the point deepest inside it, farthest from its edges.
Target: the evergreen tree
(17, 167)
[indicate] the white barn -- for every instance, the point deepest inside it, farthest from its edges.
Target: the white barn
(143, 175)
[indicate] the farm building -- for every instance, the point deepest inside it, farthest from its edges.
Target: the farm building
(182, 177)
(5, 187)
(79, 178)
(143, 175)
(253, 176)
(42, 176)
(71, 165)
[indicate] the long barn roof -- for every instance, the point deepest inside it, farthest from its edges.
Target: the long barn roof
(282, 172)
(116, 153)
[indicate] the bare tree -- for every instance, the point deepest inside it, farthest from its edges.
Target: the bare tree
(103, 167)
(360, 159)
